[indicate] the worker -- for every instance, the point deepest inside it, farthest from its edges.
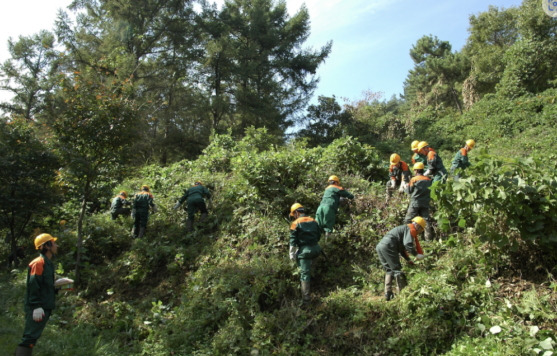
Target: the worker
(120, 205)
(304, 248)
(399, 175)
(416, 157)
(400, 241)
(460, 160)
(142, 201)
(420, 197)
(327, 210)
(435, 167)
(195, 202)
(40, 293)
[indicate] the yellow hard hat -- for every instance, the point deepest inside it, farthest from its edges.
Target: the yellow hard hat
(334, 178)
(420, 221)
(395, 158)
(42, 238)
(145, 188)
(124, 193)
(295, 207)
(422, 145)
(470, 143)
(414, 145)
(418, 165)
(63, 222)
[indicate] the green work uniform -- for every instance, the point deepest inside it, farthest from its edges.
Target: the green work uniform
(400, 241)
(118, 208)
(435, 166)
(327, 210)
(460, 160)
(416, 157)
(420, 197)
(305, 234)
(194, 198)
(40, 293)
(141, 204)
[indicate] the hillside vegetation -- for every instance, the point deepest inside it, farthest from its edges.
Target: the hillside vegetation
(229, 287)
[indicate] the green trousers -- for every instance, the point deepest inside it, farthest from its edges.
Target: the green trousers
(140, 221)
(389, 258)
(304, 259)
(325, 217)
(33, 329)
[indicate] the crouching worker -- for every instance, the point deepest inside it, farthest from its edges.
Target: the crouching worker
(194, 197)
(304, 248)
(120, 205)
(400, 241)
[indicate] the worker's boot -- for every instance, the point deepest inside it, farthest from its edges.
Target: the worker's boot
(305, 292)
(401, 282)
(23, 351)
(189, 225)
(141, 232)
(389, 287)
(428, 233)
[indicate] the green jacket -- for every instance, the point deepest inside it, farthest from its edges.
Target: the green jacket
(419, 192)
(40, 284)
(402, 239)
(460, 160)
(419, 158)
(118, 202)
(332, 196)
(304, 231)
(435, 165)
(142, 201)
(195, 194)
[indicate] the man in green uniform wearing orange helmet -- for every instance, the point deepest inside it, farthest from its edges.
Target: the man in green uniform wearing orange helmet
(400, 241)
(40, 294)
(304, 245)
(327, 210)
(420, 197)
(460, 159)
(142, 201)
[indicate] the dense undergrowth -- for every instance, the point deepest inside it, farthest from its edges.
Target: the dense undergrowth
(229, 288)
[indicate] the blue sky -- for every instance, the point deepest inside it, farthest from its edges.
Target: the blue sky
(371, 38)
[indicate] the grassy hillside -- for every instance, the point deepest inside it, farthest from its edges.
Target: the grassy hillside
(230, 289)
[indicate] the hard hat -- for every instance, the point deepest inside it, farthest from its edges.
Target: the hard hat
(470, 143)
(295, 207)
(420, 221)
(63, 222)
(124, 193)
(145, 188)
(395, 158)
(419, 165)
(414, 145)
(422, 145)
(42, 238)
(334, 178)
(198, 182)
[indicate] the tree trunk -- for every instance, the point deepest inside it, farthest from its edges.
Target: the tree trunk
(80, 234)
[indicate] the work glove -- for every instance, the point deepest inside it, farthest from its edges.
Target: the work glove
(38, 314)
(420, 257)
(403, 186)
(428, 173)
(393, 183)
(176, 206)
(293, 251)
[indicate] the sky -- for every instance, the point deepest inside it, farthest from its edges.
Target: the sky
(371, 38)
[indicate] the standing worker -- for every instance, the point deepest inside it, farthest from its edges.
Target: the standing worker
(40, 293)
(304, 248)
(400, 241)
(460, 160)
(416, 157)
(142, 201)
(119, 205)
(327, 210)
(399, 175)
(420, 197)
(194, 197)
(435, 167)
